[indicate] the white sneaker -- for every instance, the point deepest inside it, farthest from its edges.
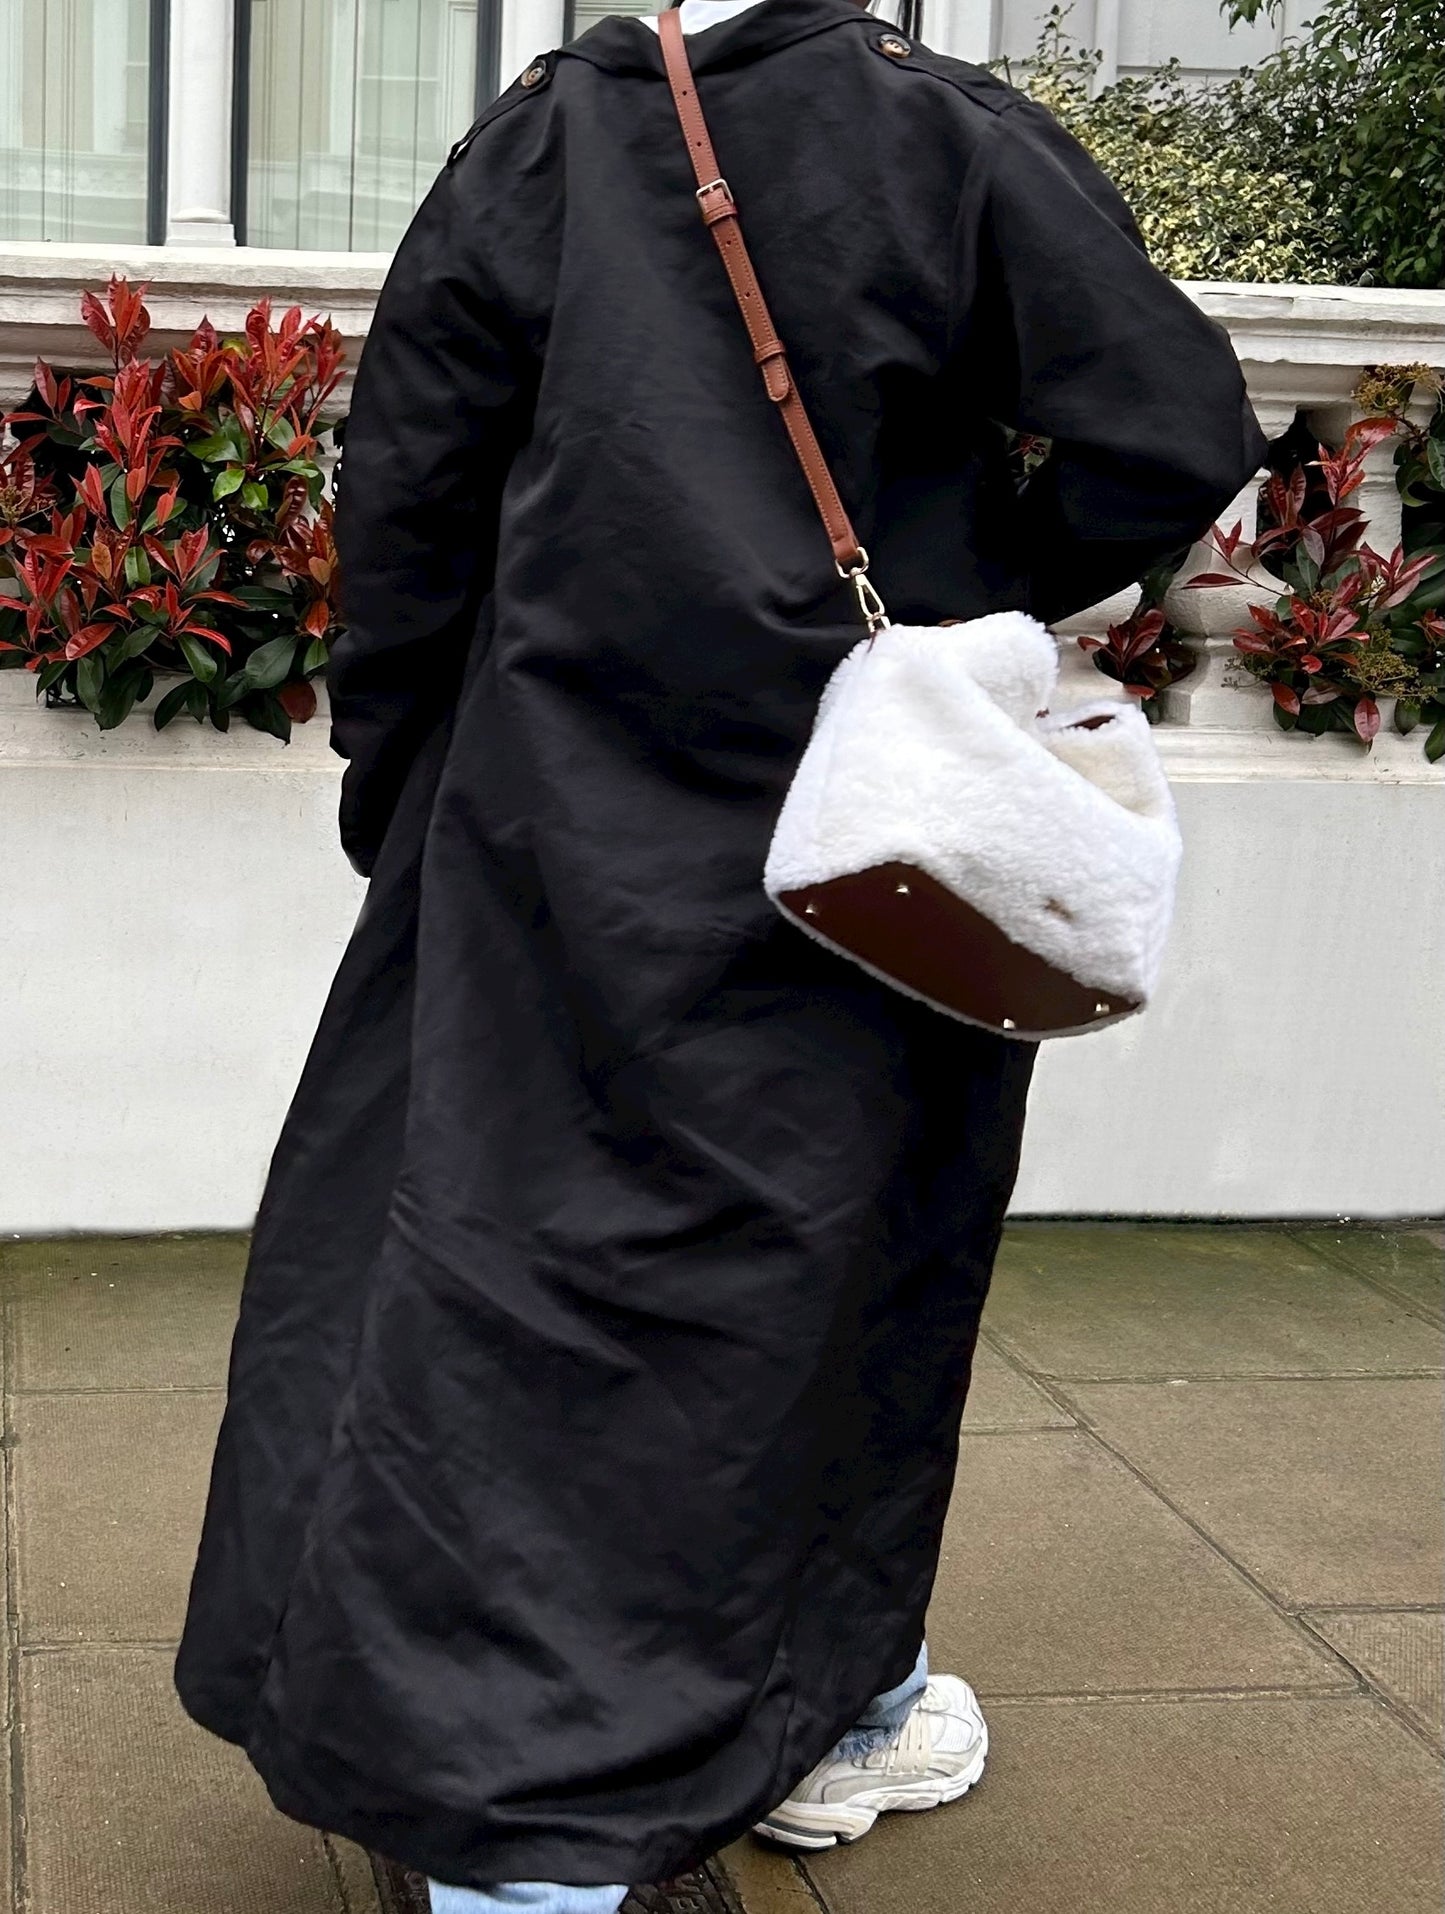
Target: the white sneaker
(935, 1756)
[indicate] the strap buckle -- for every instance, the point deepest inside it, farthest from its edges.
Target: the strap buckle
(710, 210)
(875, 612)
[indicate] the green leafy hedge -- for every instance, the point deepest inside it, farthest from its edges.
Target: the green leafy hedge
(1325, 164)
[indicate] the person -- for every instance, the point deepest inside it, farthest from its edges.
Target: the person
(596, 1390)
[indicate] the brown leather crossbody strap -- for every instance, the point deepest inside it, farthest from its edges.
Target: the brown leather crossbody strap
(720, 213)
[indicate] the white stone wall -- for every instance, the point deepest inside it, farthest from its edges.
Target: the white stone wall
(172, 906)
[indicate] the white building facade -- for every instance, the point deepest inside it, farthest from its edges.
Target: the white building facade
(317, 125)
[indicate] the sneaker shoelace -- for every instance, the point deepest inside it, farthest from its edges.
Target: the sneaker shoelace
(910, 1748)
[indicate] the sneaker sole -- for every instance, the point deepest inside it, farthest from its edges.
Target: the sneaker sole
(815, 1825)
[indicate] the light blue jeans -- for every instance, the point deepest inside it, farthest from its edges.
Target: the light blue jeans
(883, 1716)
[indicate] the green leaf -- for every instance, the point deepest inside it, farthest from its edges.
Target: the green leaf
(1407, 716)
(119, 696)
(1303, 573)
(1435, 743)
(254, 496)
(119, 503)
(232, 690)
(265, 597)
(264, 713)
(202, 662)
(90, 680)
(271, 663)
(318, 656)
(172, 704)
(281, 432)
(137, 567)
(1435, 459)
(51, 674)
(229, 480)
(219, 445)
(134, 643)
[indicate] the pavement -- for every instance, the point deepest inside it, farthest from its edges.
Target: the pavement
(1194, 1568)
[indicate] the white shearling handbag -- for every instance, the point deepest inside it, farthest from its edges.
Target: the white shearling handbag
(1009, 867)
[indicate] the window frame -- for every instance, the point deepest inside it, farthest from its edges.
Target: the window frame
(487, 86)
(158, 129)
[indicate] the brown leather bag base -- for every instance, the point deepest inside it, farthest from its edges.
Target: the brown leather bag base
(913, 932)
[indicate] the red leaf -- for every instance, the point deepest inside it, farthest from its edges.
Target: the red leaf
(1286, 699)
(205, 631)
(1405, 581)
(92, 491)
(298, 700)
(1212, 578)
(1367, 719)
(317, 619)
(98, 319)
(1365, 434)
(86, 639)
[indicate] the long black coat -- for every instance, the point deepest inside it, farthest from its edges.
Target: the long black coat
(595, 1398)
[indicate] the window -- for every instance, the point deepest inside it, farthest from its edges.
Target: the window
(81, 136)
(582, 14)
(346, 110)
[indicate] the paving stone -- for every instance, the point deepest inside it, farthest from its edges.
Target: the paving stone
(354, 1871)
(1090, 1301)
(1329, 1492)
(6, 1832)
(1202, 1807)
(1410, 1262)
(131, 1809)
(109, 1491)
(1062, 1574)
(765, 1880)
(1000, 1398)
(1402, 1653)
(122, 1313)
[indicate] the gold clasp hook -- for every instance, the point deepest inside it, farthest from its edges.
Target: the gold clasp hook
(875, 612)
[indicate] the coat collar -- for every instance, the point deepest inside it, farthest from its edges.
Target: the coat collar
(621, 45)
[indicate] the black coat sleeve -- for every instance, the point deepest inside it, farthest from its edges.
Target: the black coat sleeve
(1079, 339)
(436, 418)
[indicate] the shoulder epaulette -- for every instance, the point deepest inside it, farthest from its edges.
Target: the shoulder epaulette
(985, 89)
(533, 80)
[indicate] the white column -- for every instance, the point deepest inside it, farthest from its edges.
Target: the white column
(199, 167)
(963, 28)
(529, 27)
(1106, 39)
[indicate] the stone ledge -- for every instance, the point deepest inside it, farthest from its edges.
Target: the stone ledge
(1305, 343)
(33, 738)
(41, 283)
